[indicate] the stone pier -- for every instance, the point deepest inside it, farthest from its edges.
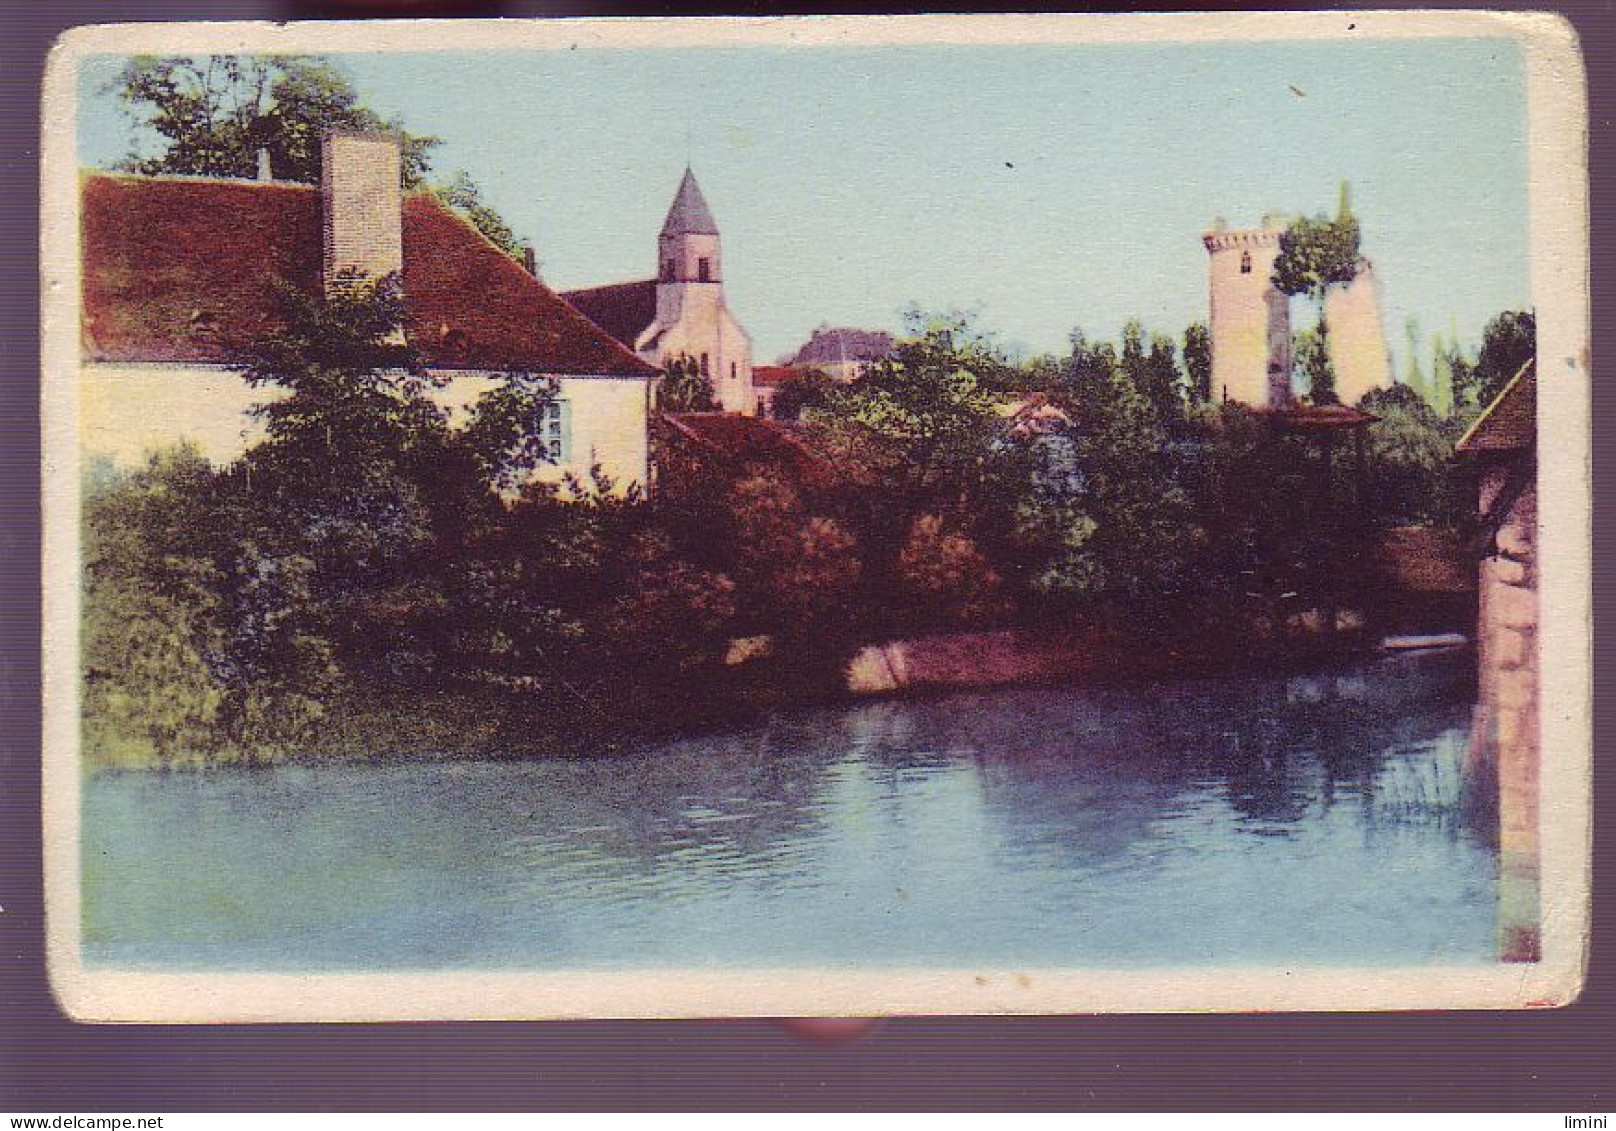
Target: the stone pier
(1505, 750)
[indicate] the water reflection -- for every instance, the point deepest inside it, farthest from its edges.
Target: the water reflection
(1300, 821)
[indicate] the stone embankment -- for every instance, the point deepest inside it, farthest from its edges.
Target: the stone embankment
(967, 659)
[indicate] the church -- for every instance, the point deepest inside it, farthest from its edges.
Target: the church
(681, 313)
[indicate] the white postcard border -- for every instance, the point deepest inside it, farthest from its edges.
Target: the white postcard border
(1557, 127)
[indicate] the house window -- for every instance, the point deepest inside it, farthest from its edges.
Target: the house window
(704, 369)
(732, 371)
(1245, 262)
(556, 431)
(704, 270)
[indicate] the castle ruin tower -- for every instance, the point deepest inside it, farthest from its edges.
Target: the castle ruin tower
(1358, 351)
(692, 318)
(1357, 345)
(1250, 317)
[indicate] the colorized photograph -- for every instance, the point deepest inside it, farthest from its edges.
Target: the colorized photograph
(996, 503)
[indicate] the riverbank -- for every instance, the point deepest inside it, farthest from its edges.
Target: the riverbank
(380, 724)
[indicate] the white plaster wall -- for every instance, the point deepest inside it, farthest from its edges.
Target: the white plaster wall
(704, 324)
(127, 411)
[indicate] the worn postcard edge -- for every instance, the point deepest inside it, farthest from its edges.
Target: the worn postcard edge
(1558, 210)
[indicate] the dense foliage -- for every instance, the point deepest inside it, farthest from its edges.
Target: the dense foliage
(802, 392)
(1314, 255)
(215, 113)
(685, 388)
(375, 578)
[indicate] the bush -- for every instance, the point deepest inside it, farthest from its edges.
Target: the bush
(947, 577)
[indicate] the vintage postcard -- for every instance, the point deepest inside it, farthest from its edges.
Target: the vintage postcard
(816, 516)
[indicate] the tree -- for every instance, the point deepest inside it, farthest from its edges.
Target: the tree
(1156, 373)
(362, 474)
(1119, 531)
(1313, 363)
(1462, 376)
(193, 642)
(1411, 474)
(925, 417)
(947, 576)
(803, 391)
(1315, 255)
(462, 194)
(1163, 381)
(685, 388)
(1442, 376)
(215, 113)
(795, 570)
(1198, 361)
(1415, 377)
(1508, 342)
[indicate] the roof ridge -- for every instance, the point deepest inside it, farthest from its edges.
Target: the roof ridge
(606, 287)
(194, 179)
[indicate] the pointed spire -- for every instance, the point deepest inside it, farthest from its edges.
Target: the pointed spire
(689, 214)
(1345, 208)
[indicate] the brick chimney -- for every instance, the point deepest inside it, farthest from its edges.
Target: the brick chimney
(361, 198)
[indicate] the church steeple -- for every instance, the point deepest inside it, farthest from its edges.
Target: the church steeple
(692, 319)
(689, 214)
(687, 249)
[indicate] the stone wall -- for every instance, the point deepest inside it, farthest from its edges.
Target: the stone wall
(1505, 746)
(699, 323)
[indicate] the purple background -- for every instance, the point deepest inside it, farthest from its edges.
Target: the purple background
(1546, 1061)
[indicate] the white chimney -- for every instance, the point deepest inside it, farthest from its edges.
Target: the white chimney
(361, 198)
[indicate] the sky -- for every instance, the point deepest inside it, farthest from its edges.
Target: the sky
(1040, 187)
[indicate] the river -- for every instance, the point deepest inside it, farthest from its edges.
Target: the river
(1296, 821)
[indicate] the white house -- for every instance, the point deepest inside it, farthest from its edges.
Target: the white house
(181, 272)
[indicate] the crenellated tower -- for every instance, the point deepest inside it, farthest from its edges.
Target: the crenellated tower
(1250, 317)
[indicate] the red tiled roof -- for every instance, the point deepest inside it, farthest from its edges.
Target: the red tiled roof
(623, 310)
(1509, 424)
(187, 270)
(767, 376)
(742, 442)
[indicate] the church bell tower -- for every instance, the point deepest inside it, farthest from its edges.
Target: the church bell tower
(692, 318)
(689, 262)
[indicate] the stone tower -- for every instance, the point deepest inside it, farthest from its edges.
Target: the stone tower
(692, 318)
(1357, 342)
(1357, 345)
(1250, 317)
